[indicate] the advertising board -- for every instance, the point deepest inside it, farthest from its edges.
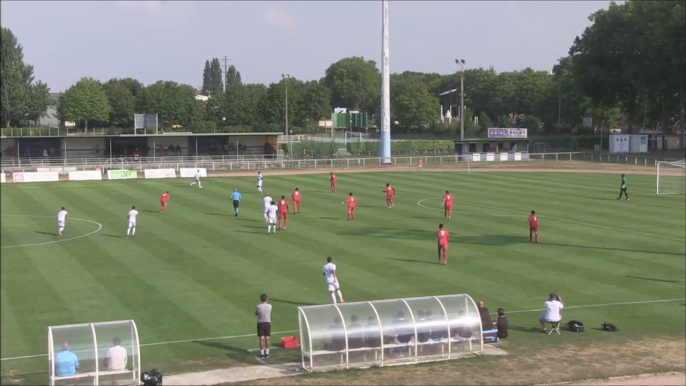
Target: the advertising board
(160, 173)
(3, 178)
(190, 172)
(122, 174)
(507, 133)
(35, 177)
(85, 175)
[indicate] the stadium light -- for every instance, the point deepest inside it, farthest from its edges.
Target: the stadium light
(461, 63)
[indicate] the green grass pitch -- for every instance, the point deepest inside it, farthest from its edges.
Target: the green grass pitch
(196, 271)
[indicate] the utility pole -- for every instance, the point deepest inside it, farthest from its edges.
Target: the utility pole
(288, 133)
(461, 63)
(226, 69)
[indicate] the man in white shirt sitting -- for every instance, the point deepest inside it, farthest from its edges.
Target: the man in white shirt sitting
(116, 356)
(553, 306)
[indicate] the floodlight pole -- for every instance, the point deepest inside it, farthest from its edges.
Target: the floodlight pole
(288, 133)
(461, 63)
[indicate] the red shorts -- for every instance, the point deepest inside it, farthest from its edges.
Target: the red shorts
(351, 208)
(533, 229)
(296, 202)
(283, 215)
(448, 207)
(163, 203)
(389, 197)
(443, 246)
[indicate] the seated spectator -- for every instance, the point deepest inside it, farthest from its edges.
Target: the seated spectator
(460, 328)
(371, 333)
(438, 330)
(486, 323)
(423, 329)
(501, 324)
(178, 149)
(403, 331)
(116, 356)
(337, 335)
(355, 334)
(552, 306)
(45, 152)
(66, 362)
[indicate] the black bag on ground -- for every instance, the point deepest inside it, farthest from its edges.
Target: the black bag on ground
(607, 326)
(575, 326)
(151, 378)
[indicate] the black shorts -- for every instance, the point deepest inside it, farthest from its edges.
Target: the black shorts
(236, 204)
(264, 329)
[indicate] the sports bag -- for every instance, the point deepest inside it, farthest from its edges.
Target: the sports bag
(575, 326)
(607, 326)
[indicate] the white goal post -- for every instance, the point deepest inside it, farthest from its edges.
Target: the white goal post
(671, 177)
(99, 352)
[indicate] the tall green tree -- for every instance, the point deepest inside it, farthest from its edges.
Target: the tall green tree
(413, 105)
(206, 79)
(232, 76)
(355, 83)
(316, 102)
(174, 103)
(37, 102)
(274, 104)
(21, 100)
(217, 83)
(122, 103)
(85, 101)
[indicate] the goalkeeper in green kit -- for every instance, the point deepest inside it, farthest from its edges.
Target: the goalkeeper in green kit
(623, 189)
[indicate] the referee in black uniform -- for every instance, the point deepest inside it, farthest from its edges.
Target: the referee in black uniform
(264, 325)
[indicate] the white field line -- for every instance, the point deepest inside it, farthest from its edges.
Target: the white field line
(574, 222)
(292, 331)
(54, 241)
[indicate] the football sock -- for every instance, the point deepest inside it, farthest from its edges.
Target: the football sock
(133, 231)
(128, 231)
(262, 352)
(333, 297)
(340, 295)
(267, 351)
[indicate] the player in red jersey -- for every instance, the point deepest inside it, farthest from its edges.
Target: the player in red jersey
(333, 183)
(283, 212)
(296, 200)
(390, 191)
(351, 206)
(532, 222)
(447, 205)
(443, 235)
(163, 201)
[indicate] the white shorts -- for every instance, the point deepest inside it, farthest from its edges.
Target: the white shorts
(334, 286)
(272, 220)
(60, 224)
(132, 224)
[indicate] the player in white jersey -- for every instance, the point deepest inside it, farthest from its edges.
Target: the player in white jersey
(259, 181)
(272, 214)
(197, 180)
(332, 280)
(267, 203)
(132, 217)
(61, 221)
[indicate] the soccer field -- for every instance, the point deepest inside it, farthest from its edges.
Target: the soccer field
(195, 272)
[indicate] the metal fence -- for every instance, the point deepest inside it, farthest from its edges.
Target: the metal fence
(244, 163)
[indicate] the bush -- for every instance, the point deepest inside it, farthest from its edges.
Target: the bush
(403, 147)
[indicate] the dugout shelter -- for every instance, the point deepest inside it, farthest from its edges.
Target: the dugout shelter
(90, 343)
(389, 332)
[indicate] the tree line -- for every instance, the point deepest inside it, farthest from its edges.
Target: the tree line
(627, 67)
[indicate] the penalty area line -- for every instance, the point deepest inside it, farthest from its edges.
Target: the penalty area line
(292, 331)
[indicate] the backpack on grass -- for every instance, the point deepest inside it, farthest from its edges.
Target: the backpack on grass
(575, 326)
(607, 326)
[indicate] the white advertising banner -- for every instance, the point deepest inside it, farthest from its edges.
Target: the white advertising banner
(160, 173)
(518, 156)
(190, 172)
(3, 178)
(85, 175)
(36, 177)
(490, 157)
(503, 156)
(122, 174)
(507, 133)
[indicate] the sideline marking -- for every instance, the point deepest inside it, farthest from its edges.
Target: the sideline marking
(470, 214)
(291, 331)
(54, 241)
